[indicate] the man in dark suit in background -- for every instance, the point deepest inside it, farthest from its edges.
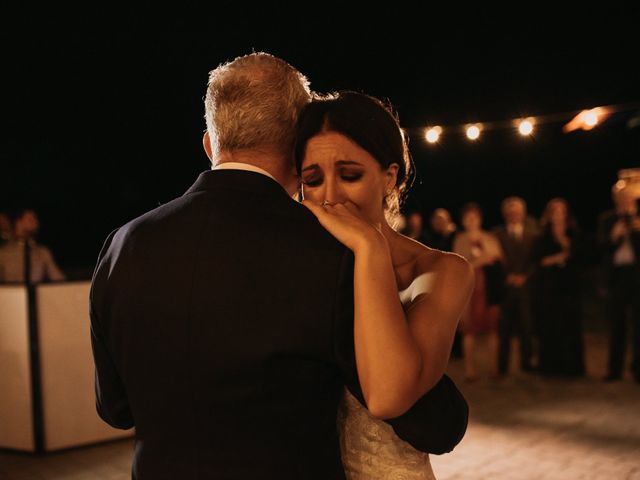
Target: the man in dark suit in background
(517, 237)
(216, 318)
(619, 239)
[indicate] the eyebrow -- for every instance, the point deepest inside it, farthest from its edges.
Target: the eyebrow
(340, 163)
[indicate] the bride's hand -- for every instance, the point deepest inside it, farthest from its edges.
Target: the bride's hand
(343, 221)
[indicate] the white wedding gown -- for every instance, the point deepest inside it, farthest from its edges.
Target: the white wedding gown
(370, 448)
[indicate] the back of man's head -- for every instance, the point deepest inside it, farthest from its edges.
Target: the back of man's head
(254, 102)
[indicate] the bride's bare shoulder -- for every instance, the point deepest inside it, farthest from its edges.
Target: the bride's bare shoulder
(426, 260)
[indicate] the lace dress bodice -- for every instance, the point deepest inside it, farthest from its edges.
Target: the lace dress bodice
(370, 448)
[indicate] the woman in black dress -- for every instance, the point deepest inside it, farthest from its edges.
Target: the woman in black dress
(558, 253)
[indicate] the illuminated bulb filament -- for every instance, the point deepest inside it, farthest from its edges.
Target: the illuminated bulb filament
(433, 134)
(525, 127)
(473, 132)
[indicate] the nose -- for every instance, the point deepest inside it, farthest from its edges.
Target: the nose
(333, 191)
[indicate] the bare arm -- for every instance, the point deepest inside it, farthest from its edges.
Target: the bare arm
(399, 357)
(389, 360)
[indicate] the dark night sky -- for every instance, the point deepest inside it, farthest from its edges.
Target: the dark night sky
(105, 116)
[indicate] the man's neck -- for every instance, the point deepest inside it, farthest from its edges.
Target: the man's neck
(265, 160)
(275, 164)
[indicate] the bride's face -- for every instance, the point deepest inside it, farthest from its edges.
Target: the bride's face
(337, 169)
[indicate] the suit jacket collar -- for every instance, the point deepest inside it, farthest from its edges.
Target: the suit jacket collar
(238, 180)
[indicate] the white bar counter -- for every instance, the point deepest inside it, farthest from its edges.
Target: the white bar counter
(50, 404)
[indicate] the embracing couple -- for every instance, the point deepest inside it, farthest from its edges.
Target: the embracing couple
(270, 323)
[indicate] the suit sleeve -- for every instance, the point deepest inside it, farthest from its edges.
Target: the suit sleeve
(111, 397)
(437, 422)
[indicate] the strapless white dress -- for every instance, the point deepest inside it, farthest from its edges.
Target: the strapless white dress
(370, 448)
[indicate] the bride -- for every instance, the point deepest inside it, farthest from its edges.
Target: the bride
(354, 165)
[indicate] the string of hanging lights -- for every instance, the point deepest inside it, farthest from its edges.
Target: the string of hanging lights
(587, 119)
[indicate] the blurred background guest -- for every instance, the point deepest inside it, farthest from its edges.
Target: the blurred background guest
(440, 232)
(23, 254)
(559, 255)
(619, 238)
(481, 249)
(414, 226)
(517, 236)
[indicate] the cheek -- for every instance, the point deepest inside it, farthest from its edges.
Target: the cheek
(361, 193)
(367, 197)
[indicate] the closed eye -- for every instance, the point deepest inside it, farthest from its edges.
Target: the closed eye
(312, 182)
(354, 177)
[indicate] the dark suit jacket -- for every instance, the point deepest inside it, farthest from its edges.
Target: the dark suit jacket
(216, 324)
(518, 254)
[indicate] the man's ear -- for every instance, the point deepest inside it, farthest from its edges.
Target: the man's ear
(206, 143)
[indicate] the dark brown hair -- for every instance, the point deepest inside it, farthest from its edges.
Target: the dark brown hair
(367, 121)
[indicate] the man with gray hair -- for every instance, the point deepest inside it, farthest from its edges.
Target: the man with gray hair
(619, 241)
(205, 339)
(517, 237)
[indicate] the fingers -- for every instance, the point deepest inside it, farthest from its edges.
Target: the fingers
(322, 212)
(341, 210)
(345, 209)
(319, 207)
(352, 208)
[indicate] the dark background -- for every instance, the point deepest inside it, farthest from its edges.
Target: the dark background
(104, 113)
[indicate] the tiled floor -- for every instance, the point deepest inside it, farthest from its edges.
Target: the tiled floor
(523, 427)
(109, 461)
(526, 427)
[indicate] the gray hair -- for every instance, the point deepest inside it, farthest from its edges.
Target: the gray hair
(254, 101)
